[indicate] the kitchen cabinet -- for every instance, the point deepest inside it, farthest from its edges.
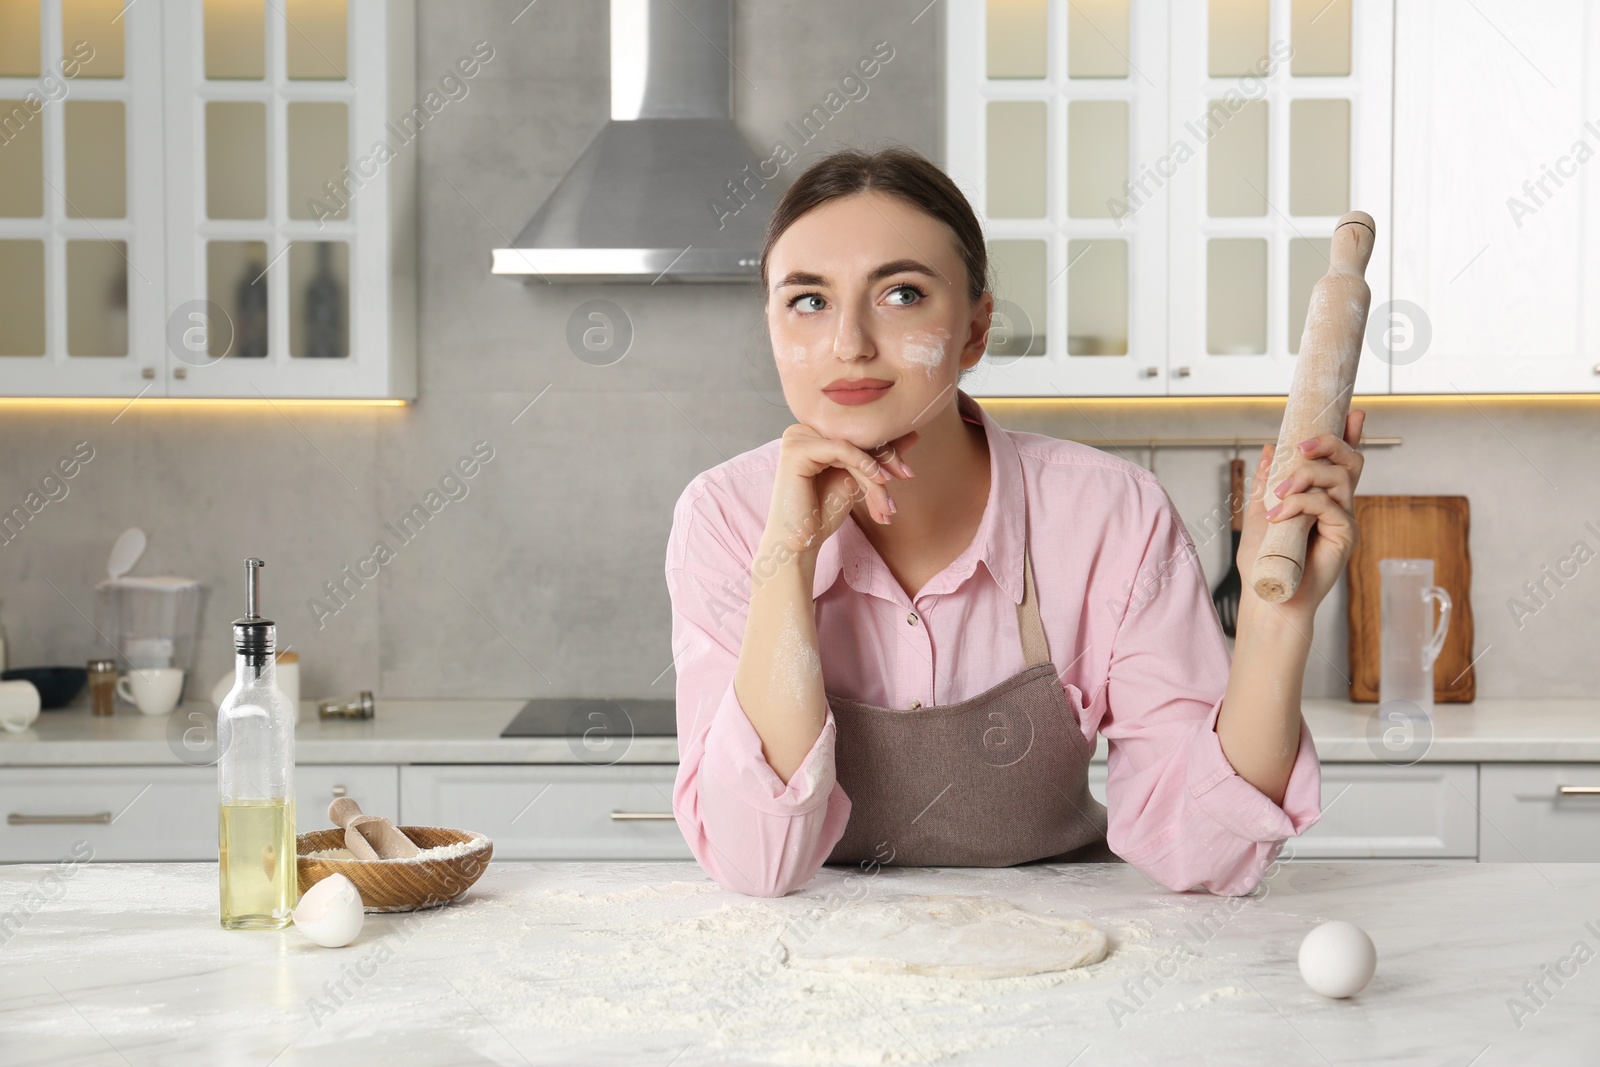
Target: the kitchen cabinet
(1159, 183)
(1540, 812)
(622, 812)
(1497, 196)
(153, 813)
(1373, 811)
(194, 202)
(1468, 129)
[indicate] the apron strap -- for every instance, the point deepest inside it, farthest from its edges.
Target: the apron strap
(1034, 648)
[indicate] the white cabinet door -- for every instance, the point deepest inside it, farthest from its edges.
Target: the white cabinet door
(81, 214)
(376, 787)
(153, 813)
(289, 199)
(535, 812)
(1497, 196)
(1052, 108)
(1540, 812)
(1281, 121)
(1370, 810)
(115, 813)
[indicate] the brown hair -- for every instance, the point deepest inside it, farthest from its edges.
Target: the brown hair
(899, 172)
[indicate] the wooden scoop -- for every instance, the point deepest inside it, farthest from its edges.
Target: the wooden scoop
(370, 837)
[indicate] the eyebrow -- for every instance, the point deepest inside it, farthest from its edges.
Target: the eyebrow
(897, 266)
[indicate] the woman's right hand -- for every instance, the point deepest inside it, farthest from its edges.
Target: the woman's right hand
(819, 479)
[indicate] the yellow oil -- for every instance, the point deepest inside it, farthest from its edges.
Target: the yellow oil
(256, 864)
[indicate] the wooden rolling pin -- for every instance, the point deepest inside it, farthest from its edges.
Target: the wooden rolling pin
(370, 837)
(1319, 396)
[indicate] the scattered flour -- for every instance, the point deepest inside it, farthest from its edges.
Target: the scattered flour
(654, 962)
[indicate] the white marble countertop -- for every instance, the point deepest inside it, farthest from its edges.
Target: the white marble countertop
(602, 963)
(468, 731)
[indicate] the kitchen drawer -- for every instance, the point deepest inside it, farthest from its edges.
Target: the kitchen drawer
(153, 813)
(541, 812)
(1424, 811)
(375, 786)
(123, 813)
(1373, 810)
(1528, 819)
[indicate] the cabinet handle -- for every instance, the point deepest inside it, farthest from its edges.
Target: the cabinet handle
(622, 816)
(338, 791)
(1183, 372)
(18, 819)
(1148, 372)
(1578, 790)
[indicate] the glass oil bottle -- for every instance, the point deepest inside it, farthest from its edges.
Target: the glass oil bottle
(256, 862)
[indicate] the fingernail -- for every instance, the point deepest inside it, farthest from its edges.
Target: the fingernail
(893, 507)
(909, 472)
(1272, 513)
(1308, 442)
(1282, 486)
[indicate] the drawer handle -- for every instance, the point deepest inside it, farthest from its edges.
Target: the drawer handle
(18, 819)
(1578, 790)
(622, 816)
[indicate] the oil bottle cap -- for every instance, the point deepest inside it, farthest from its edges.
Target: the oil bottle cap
(253, 634)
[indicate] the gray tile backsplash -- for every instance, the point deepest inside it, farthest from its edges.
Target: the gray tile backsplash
(541, 574)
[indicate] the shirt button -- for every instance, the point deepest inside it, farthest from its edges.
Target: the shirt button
(911, 617)
(915, 704)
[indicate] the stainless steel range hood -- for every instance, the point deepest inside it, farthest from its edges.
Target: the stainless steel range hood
(668, 190)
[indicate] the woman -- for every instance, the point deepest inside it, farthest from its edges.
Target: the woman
(854, 688)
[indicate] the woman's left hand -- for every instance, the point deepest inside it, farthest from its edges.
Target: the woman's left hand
(1322, 488)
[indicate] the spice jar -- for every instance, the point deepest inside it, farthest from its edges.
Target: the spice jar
(102, 686)
(356, 707)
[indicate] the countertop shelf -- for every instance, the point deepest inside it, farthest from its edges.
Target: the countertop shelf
(468, 731)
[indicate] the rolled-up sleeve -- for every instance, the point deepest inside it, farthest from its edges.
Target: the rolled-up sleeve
(750, 831)
(1176, 807)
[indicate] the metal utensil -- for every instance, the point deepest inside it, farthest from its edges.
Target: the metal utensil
(1226, 595)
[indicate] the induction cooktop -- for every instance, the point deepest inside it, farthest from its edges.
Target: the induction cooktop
(592, 717)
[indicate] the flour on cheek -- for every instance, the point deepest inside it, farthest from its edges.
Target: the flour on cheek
(794, 354)
(927, 350)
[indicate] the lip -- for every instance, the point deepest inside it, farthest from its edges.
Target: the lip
(853, 391)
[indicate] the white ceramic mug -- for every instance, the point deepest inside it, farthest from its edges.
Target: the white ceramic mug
(19, 705)
(154, 689)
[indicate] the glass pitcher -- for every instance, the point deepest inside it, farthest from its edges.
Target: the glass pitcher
(1411, 640)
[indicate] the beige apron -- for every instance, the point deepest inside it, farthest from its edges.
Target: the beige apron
(996, 780)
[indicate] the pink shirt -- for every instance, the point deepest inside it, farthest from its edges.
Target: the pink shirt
(1130, 625)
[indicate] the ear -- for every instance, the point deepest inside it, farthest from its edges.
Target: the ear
(978, 331)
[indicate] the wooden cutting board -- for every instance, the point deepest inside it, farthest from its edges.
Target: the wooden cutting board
(1411, 527)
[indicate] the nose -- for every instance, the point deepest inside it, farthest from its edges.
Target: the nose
(851, 339)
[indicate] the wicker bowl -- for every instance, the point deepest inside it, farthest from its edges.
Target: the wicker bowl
(400, 884)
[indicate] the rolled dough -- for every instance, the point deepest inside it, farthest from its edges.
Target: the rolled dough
(942, 936)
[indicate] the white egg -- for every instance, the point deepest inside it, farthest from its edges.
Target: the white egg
(330, 912)
(1338, 959)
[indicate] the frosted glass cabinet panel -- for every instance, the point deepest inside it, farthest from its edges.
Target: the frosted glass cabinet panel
(1286, 106)
(300, 261)
(189, 206)
(1056, 113)
(81, 241)
(1165, 176)
(1017, 38)
(1021, 323)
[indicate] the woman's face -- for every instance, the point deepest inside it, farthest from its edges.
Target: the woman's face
(868, 287)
